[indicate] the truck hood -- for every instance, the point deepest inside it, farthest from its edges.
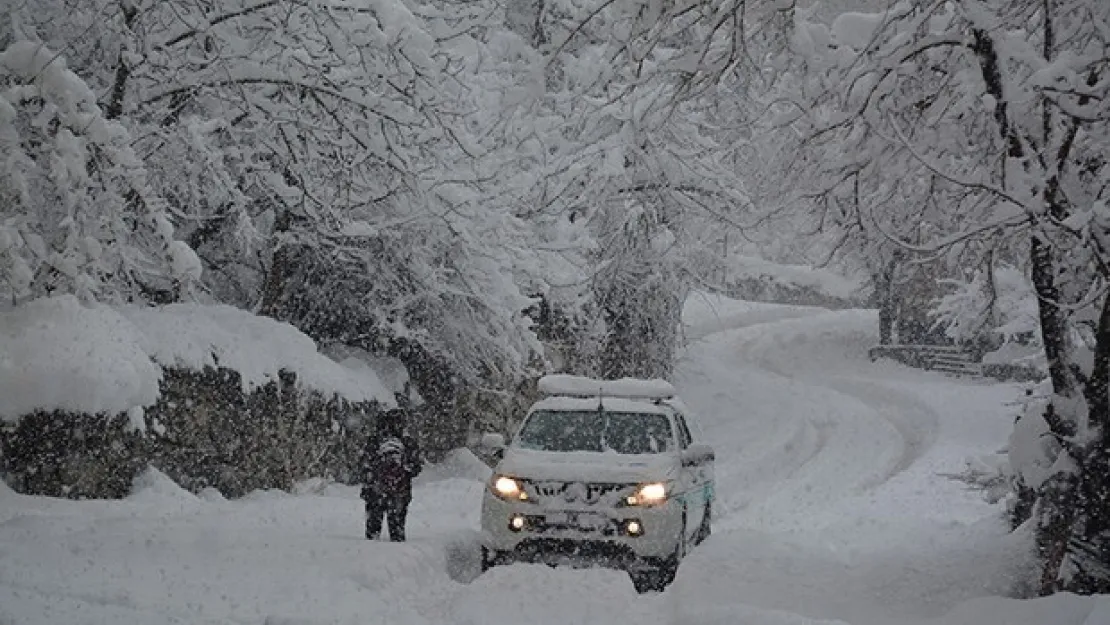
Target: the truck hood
(587, 466)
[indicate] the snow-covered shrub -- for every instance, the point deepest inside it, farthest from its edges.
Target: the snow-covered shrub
(77, 214)
(206, 431)
(69, 454)
(212, 434)
(153, 486)
(212, 395)
(1032, 451)
(997, 313)
(989, 473)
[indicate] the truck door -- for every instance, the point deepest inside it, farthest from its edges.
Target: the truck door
(693, 482)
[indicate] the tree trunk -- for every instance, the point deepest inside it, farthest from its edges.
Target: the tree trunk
(1054, 327)
(539, 34)
(1060, 507)
(281, 268)
(114, 108)
(1059, 497)
(1089, 540)
(887, 300)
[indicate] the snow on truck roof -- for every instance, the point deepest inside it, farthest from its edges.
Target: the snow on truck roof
(591, 404)
(564, 385)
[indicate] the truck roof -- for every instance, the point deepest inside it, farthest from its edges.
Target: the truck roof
(609, 404)
(563, 385)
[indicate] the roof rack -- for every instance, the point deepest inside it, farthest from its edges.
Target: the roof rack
(564, 385)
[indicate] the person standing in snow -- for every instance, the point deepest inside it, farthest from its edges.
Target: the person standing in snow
(390, 461)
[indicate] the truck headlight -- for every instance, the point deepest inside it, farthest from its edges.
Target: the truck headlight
(508, 488)
(648, 495)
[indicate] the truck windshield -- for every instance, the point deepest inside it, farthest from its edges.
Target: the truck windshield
(619, 432)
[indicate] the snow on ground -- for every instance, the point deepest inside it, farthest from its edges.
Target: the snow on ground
(832, 509)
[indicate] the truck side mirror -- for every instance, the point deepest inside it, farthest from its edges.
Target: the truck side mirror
(698, 454)
(494, 445)
(492, 441)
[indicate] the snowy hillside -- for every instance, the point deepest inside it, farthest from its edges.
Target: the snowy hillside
(832, 509)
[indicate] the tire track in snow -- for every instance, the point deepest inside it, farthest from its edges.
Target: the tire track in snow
(852, 526)
(822, 428)
(915, 421)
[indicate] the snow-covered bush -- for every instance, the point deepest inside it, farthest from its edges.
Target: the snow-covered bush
(212, 395)
(77, 214)
(71, 454)
(206, 432)
(213, 434)
(997, 310)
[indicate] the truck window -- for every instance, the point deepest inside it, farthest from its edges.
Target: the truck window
(684, 438)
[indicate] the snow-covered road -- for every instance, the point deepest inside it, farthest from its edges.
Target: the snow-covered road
(833, 508)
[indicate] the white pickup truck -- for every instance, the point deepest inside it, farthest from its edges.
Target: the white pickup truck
(609, 473)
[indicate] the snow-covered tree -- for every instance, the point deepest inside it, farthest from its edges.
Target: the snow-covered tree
(981, 120)
(996, 306)
(77, 212)
(334, 156)
(629, 153)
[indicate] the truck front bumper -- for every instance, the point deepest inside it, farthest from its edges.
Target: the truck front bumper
(620, 537)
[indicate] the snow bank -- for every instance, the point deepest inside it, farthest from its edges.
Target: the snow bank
(391, 371)
(195, 336)
(1101, 612)
(211, 495)
(311, 486)
(153, 486)
(1059, 609)
(704, 313)
(58, 354)
(458, 463)
(1033, 449)
(1014, 353)
(553, 595)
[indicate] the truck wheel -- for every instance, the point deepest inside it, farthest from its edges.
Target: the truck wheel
(662, 573)
(706, 528)
(491, 558)
(655, 579)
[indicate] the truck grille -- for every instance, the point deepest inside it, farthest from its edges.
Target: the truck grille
(578, 492)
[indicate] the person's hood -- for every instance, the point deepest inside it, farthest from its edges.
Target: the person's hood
(604, 467)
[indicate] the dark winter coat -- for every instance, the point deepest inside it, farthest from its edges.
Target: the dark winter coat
(378, 475)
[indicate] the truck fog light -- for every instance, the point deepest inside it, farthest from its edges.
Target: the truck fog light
(633, 528)
(516, 522)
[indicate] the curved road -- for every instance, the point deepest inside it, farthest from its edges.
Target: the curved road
(832, 503)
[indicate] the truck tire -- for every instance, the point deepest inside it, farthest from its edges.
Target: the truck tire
(491, 558)
(657, 577)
